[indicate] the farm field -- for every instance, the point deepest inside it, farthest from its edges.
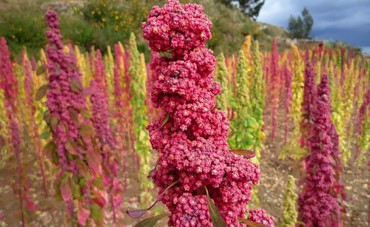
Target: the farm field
(92, 137)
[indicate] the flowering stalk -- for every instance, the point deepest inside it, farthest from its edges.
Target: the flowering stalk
(348, 91)
(247, 50)
(258, 92)
(309, 100)
(222, 78)
(288, 100)
(363, 130)
(290, 213)
(337, 110)
(139, 113)
(274, 86)
(9, 85)
(100, 119)
(28, 87)
(191, 135)
(73, 146)
(243, 120)
(318, 202)
(109, 70)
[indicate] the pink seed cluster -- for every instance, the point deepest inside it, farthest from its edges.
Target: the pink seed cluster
(260, 216)
(318, 202)
(99, 101)
(190, 137)
(61, 100)
(309, 95)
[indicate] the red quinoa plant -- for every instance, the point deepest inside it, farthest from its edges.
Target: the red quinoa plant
(319, 203)
(9, 85)
(190, 137)
(74, 146)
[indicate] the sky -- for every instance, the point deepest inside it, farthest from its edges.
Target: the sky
(344, 20)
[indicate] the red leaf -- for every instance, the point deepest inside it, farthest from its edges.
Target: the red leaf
(141, 212)
(100, 199)
(94, 161)
(71, 147)
(244, 152)
(66, 189)
(138, 213)
(89, 91)
(82, 215)
(31, 206)
(2, 216)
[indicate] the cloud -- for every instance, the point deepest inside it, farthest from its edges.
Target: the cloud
(341, 19)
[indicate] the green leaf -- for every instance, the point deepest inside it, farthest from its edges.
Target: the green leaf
(98, 182)
(45, 135)
(76, 191)
(97, 213)
(150, 222)
(215, 215)
(165, 120)
(86, 130)
(54, 123)
(55, 158)
(85, 113)
(250, 223)
(50, 147)
(46, 116)
(2, 142)
(253, 123)
(75, 85)
(41, 92)
(40, 70)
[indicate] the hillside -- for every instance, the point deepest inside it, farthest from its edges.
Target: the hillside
(101, 23)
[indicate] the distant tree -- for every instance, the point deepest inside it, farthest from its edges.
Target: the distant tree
(250, 7)
(300, 27)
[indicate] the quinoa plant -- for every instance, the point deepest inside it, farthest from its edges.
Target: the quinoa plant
(319, 201)
(9, 86)
(196, 173)
(139, 116)
(274, 87)
(30, 105)
(308, 104)
(222, 78)
(73, 146)
(290, 213)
